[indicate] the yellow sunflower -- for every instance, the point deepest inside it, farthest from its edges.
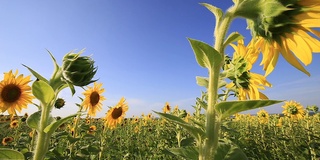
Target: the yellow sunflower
(7, 140)
(294, 110)
(92, 129)
(116, 114)
(263, 116)
(246, 83)
(166, 108)
(291, 34)
(15, 93)
(93, 99)
(14, 124)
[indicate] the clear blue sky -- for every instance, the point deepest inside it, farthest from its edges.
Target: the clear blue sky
(140, 48)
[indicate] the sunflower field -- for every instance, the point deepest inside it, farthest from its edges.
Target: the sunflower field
(214, 130)
(261, 136)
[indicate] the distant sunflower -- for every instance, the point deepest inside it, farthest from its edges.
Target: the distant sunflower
(294, 110)
(14, 124)
(7, 140)
(290, 33)
(166, 108)
(15, 93)
(92, 129)
(93, 99)
(263, 116)
(246, 83)
(116, 114)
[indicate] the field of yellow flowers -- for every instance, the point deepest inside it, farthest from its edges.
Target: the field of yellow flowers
(261, 136)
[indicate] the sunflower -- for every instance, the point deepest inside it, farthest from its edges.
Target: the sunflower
(263, 116)
(93, 99)
(6, 140)
(247, 84)
(290, 33)
(92, 129)
(294, 110)
(14, 124)
(15, 93)
(166, 108)
(116, 114)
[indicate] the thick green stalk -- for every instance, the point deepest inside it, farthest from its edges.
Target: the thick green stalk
(212, 123)
(43, 138)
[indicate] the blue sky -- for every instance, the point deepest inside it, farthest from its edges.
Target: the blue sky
(140, 48)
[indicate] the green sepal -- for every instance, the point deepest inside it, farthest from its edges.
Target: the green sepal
(7, 154)
(43, 91)
(233, 37)
(190, 152)
(71, 86)
(197, 133)
(228, 108)
(205, 54)
(33, 120)
(53, 126)
(37, 75)
(228, 151)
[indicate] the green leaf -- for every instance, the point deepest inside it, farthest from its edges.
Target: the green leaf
(190, 152)
(7, 154)
(218, 13)
(43, 91)
(228, 151)
(53, 126)
(197, 133)
(204, 82)
(56, 66)
(71, 86)
(206, 55)
(233, 37)
(37, 75)
(33, 120)
(229, 108)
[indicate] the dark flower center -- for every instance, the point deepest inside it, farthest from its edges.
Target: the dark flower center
(117, 112)
(94, 98)
(10, 93)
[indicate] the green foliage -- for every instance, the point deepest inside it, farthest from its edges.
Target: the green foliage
(229, 151)
(53, 126)
(7, 154)
(233, 37)
(197, 133)
(205, 54)
(229, 108)
(33, 120)
(43, 91)
(190, 153)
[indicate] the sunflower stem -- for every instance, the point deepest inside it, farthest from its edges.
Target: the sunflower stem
(43, 138)
(212, 122)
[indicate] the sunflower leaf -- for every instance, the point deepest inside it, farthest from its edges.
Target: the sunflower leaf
(43, 91)
(197, 133)
(53, 126)
(206, 55)
(37, 75)
(218, 13)
(56, 66)
(33, 120)
(189, 152)
(8, 154)
(229, 108)
(234, 36)
(229, 151)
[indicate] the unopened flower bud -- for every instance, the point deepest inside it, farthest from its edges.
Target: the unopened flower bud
(78, 70)
(59, 103)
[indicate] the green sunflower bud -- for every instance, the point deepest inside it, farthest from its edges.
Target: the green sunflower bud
(78, 70)
(59, 103)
